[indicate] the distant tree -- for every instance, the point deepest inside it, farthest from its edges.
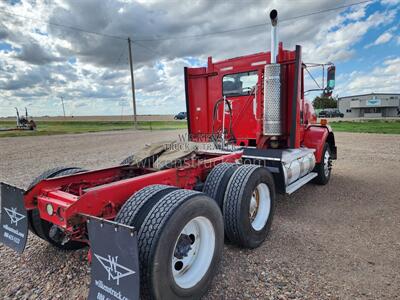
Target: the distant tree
(321, 102)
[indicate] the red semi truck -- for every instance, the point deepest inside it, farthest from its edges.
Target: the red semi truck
(156, 224)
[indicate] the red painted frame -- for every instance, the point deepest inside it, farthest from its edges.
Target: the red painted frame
(101, 193)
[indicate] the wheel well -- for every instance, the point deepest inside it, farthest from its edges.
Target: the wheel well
(332, 146)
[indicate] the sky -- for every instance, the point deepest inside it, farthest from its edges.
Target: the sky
(41, 62)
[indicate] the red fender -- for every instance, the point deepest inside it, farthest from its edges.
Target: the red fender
(315, 137)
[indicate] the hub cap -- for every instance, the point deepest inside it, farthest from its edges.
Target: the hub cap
(193, 252)
(260, 206)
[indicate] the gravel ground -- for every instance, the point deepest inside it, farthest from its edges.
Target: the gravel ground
(339, 241)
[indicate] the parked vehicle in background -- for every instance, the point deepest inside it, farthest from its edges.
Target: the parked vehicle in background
(181, 116)
(330, 113)
(323, 114)
(336, 114)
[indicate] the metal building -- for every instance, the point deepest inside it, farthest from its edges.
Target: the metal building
(370, 105)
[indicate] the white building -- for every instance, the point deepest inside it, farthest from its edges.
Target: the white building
(370, 105)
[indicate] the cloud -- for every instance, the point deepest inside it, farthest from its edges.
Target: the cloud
(33, 53)
(381, 79)
(390, 2)
(91, 71)
(382, 39)
(336, 42)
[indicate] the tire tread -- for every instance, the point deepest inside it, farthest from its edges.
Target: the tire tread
(151, 230)
(132, 210)
(212, 186)
(232, 207)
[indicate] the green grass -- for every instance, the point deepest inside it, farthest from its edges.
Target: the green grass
(368, 126)
(60, 127)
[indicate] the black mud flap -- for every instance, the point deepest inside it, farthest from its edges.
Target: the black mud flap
(115, 264)
(13, 217)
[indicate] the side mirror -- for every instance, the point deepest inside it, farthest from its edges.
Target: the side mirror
(330, 78)
(330, 81)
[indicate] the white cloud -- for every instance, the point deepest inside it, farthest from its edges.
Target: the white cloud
(338, 45)
(382, 39)
(92, 73)
(384, 78)
(390, 2)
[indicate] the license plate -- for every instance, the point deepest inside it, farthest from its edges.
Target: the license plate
(13, 217)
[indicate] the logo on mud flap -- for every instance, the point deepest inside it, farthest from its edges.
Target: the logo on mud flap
(14, 216)
(114, 269)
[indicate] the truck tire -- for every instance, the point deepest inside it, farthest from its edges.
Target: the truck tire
(41, 227)
(180, 246)
(249, 206)
(324, 168)
(217, 181)
(136, 208)
(50, 174)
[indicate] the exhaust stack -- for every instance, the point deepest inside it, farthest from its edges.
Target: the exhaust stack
(272, 86)
(273, 15)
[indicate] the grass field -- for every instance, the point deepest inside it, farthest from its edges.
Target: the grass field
(368, 126)
(59, 127)
(64, 127)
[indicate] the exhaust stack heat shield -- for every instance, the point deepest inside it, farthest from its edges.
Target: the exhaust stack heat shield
(272, 100)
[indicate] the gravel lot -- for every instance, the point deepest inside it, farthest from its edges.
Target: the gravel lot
(341, 240)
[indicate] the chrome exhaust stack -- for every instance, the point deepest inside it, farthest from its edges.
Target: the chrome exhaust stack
(272, 86)
(273, 15)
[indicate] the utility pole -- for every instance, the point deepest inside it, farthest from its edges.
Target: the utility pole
(132, 83)
(62, 102)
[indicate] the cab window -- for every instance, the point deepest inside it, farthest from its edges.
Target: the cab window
(239, 84)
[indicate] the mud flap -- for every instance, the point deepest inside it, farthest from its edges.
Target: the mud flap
(13, 217)
(115, 264)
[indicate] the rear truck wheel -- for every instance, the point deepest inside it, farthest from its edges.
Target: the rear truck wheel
(217, 181)
(136, 208)
(249, 206)
(180, 246)
(44, 229)
(324, 168)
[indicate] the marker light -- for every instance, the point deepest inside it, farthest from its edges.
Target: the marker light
(324, 122)
(49, 209)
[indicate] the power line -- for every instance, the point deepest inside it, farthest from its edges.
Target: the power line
(250, 26)
(183, 36)
(326, 10)
(65, 26)
(201, 34)
(145, 47)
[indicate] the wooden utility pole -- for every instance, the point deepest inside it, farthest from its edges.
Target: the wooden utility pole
(62, 102)
(132, 83)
